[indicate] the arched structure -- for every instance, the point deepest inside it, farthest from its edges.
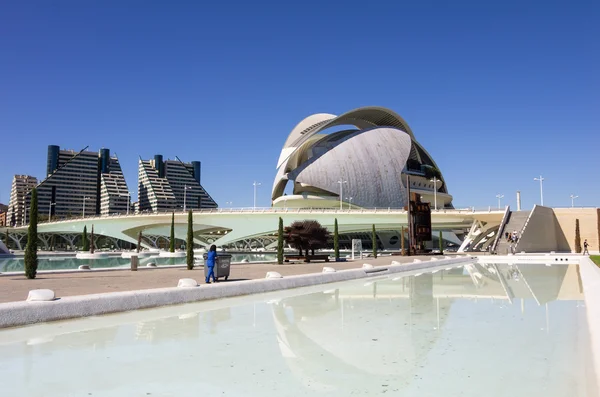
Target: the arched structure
(367, 151)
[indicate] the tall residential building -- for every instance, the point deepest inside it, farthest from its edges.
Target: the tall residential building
(81, 183)
(3, 211)
(171, 185)
(21, 185)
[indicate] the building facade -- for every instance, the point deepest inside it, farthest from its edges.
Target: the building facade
(171, 185)
(3, 217)
(364, 158)
(80, 184)
(21, 186)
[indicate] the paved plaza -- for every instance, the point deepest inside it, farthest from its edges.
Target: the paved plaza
(16, 287)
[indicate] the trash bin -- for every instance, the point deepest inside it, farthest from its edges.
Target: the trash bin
(222, 266)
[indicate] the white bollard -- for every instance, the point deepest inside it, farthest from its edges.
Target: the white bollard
(273, 275)
(328, 270)
(367, 266)
(187, 283)
(40, 295)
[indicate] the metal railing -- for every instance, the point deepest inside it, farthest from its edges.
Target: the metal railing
(274, 210)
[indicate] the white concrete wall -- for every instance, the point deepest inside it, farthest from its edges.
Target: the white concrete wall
(539, 233)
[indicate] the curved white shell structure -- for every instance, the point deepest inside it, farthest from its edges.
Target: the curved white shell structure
(357, 159)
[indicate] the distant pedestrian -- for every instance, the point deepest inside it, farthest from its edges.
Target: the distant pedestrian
(211, 259)
(506, 236)
(585, 247)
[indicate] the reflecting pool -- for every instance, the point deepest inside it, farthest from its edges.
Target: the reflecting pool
(478, 330)
(70, 262)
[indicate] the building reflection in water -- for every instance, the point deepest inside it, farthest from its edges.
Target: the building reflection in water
(388, 331)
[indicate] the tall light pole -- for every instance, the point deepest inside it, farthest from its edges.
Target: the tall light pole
(573, 197)
(50, 211)
(541, 179)
(435, 181)
(349, 202)
(229, 203)
(185, 189)
(84, 200)
(255, 184)
(499, 197)
(341, 182)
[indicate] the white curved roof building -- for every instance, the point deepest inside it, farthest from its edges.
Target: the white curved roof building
(357, 160)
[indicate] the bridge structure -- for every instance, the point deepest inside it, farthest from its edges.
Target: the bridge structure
(250, 227)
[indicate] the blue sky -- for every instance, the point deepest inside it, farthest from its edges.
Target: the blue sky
(498, 92)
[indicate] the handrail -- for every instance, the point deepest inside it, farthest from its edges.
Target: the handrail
(263, 210)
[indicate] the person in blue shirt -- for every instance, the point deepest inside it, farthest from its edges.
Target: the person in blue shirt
(211, 260)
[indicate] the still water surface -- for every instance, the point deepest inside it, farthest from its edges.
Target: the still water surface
(493, 330)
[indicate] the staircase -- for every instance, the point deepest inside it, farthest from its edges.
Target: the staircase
(516, 221)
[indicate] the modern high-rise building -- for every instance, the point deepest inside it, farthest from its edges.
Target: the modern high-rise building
(171, 185)
(81, 183)
(21, 185)
(3, 211)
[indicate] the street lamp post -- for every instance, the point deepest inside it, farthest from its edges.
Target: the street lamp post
(229, 203)
(573, 197)
(50, 211)
(349, 202)
(341, 182)
(541, 179)
(435, 181)
(84, 200)
(185, 189)
(255, 184)
(499, 197)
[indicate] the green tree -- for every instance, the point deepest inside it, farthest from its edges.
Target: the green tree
(85, 243)
(139, 242)
(172, 239)
(374, 241)
(280, 242)
(31, 260)
(92, 247)
(402, 247)
(441, 243)
(190, 242)
(336, 241)
(577, 237)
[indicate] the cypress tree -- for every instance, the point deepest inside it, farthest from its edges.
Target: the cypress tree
(336, 241)
(172, 240)
(402, 241)
(31, 261)
(441, 242)
(280, 242)
(577, 237)
(190, 242)
(85, 243)
(139, 242)
(92, 241)
(374, 240)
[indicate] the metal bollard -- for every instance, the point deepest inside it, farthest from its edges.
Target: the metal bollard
(134, 263)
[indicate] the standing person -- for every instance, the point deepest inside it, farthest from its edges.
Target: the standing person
(211, 260)
(585, 247)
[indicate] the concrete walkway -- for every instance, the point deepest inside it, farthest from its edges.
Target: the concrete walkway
(16, 288)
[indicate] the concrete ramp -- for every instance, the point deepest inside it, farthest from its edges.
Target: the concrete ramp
(539, 233)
